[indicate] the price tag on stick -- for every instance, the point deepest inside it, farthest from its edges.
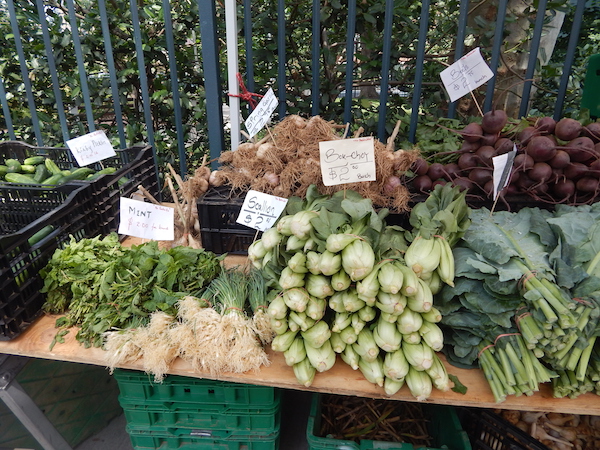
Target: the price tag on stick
(260, 210)
(502, 166)
(466, 74)
(91, 148)
(262, 113)
(347, 161)
(146, 220)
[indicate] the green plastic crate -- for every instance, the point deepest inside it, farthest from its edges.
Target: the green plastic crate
(250, 420)
(138, 388)
(180, 439)
(444, 428)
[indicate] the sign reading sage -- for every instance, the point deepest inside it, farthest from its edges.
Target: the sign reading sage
(347, 161)
(146, 220)
(260, 210)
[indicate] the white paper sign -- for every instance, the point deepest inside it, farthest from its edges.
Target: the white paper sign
(502, 166)
(347, 161)
(466, 74)
(91, 147)
(146, 220)
(260, 210)
(262, 113)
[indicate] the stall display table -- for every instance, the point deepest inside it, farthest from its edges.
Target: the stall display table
(341, 379)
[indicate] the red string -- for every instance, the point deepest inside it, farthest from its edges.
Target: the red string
(246, 95)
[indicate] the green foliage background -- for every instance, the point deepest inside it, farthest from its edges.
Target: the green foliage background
(188, 45)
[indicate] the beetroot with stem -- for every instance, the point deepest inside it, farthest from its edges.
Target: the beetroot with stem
(540, 171)
(526, 134)
(467, 161)
(563, 190)
(422, 184)
(485, 154)
(469, 146)
(480, 175)
(420, 166)
(452, 170)
(463, 183)
(472, 132)
(595, 168)
(560, 160)
(504, 145)
(567, 129)
(436, 171)
(580, 149)
(587, 185)
(523, 161)
(545, 125)
(592, 130)
(489, 138)
(494, 121)
(576, 170)
(541, 148)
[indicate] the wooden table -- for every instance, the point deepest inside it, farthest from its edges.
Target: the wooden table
(341, 379)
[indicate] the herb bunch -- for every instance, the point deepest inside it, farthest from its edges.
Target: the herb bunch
(100, 285)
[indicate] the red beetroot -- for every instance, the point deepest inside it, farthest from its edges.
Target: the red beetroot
(541, 148)
(485, 154)
(494, 121)
(545, 125)
(472, 132)
(567, 129)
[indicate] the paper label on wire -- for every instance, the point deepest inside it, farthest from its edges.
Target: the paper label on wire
(502, 167)
(260, 210)
(91, 148)
(466, 74)
(146, 220)
(262, 113)
(347, 161)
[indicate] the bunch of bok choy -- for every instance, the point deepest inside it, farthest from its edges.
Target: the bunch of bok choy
(339, 285)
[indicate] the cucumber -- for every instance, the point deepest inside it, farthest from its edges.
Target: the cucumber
(13, 165)
(41, 173)
(41, 234)
(34, 160)
(65, 172)
(3, 170)
(27, 168)
(19, 178)
(54, 179)
(79, 174)
(105, 171)
(52, 167)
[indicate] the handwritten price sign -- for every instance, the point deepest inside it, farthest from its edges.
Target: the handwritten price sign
(90, 148)
(146, 220)
(260, 210)
(466, 74)
(347, 161)
(261, 114)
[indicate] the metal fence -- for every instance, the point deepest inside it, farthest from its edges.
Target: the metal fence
(132, 91)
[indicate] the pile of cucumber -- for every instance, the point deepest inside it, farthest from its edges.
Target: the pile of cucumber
(43, 171)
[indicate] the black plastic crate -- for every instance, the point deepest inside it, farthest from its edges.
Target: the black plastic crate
(218, 211)
(80, 208)
(488, 431)
(21, 259)
(135, 166)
